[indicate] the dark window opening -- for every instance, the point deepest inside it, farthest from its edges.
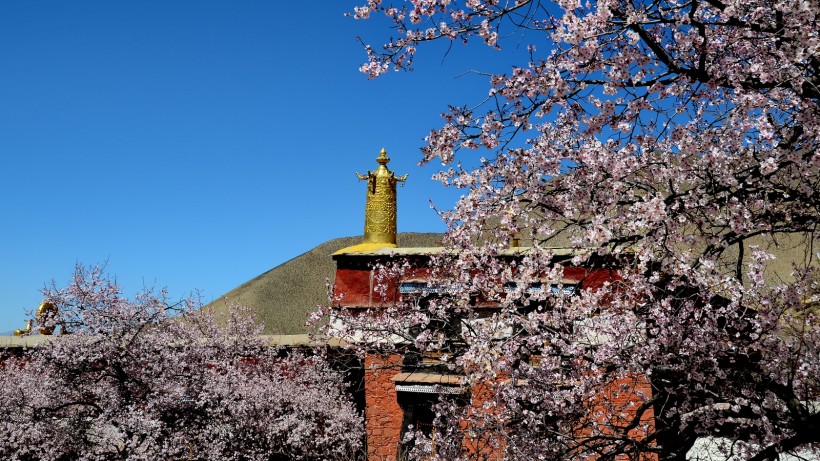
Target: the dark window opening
(419, 416)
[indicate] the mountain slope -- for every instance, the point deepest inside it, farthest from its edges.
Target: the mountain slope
(283, 296)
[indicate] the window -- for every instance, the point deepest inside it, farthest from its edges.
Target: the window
(418, 402)
(418, 416)
(538, 287)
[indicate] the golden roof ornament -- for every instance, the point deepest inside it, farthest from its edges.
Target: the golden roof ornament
(25, 331)
(46, 314)
(380, 206)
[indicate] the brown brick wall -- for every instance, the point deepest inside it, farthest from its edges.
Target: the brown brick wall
(617, 406)
(382, 411)
(488, 442)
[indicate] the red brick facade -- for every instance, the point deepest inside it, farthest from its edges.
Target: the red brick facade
(383, 415)
(355, 287)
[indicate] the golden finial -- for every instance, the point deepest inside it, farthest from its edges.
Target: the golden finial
(380, 206)
(383, 158)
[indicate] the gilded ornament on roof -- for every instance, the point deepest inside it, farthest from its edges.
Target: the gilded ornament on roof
(380, 206)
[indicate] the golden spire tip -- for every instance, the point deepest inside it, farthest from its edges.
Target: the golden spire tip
(383, 158)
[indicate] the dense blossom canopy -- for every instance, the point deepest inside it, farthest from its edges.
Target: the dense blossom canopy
(144, 379)
(672, 140)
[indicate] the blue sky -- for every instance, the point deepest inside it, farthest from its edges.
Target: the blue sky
(197, 144)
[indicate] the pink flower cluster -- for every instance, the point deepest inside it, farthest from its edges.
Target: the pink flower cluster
(675, 141)
(146, 379)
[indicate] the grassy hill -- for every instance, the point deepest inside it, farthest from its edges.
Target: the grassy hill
(283, 296)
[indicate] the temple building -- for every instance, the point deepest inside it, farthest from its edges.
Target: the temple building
(394, 390)
(400, 389)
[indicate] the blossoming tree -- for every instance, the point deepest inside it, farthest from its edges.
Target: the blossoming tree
(674, 141)
(148, 379)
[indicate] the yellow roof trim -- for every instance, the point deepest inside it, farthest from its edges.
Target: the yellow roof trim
(365, 248)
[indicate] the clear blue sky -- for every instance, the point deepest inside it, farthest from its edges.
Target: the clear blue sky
(197, 144)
